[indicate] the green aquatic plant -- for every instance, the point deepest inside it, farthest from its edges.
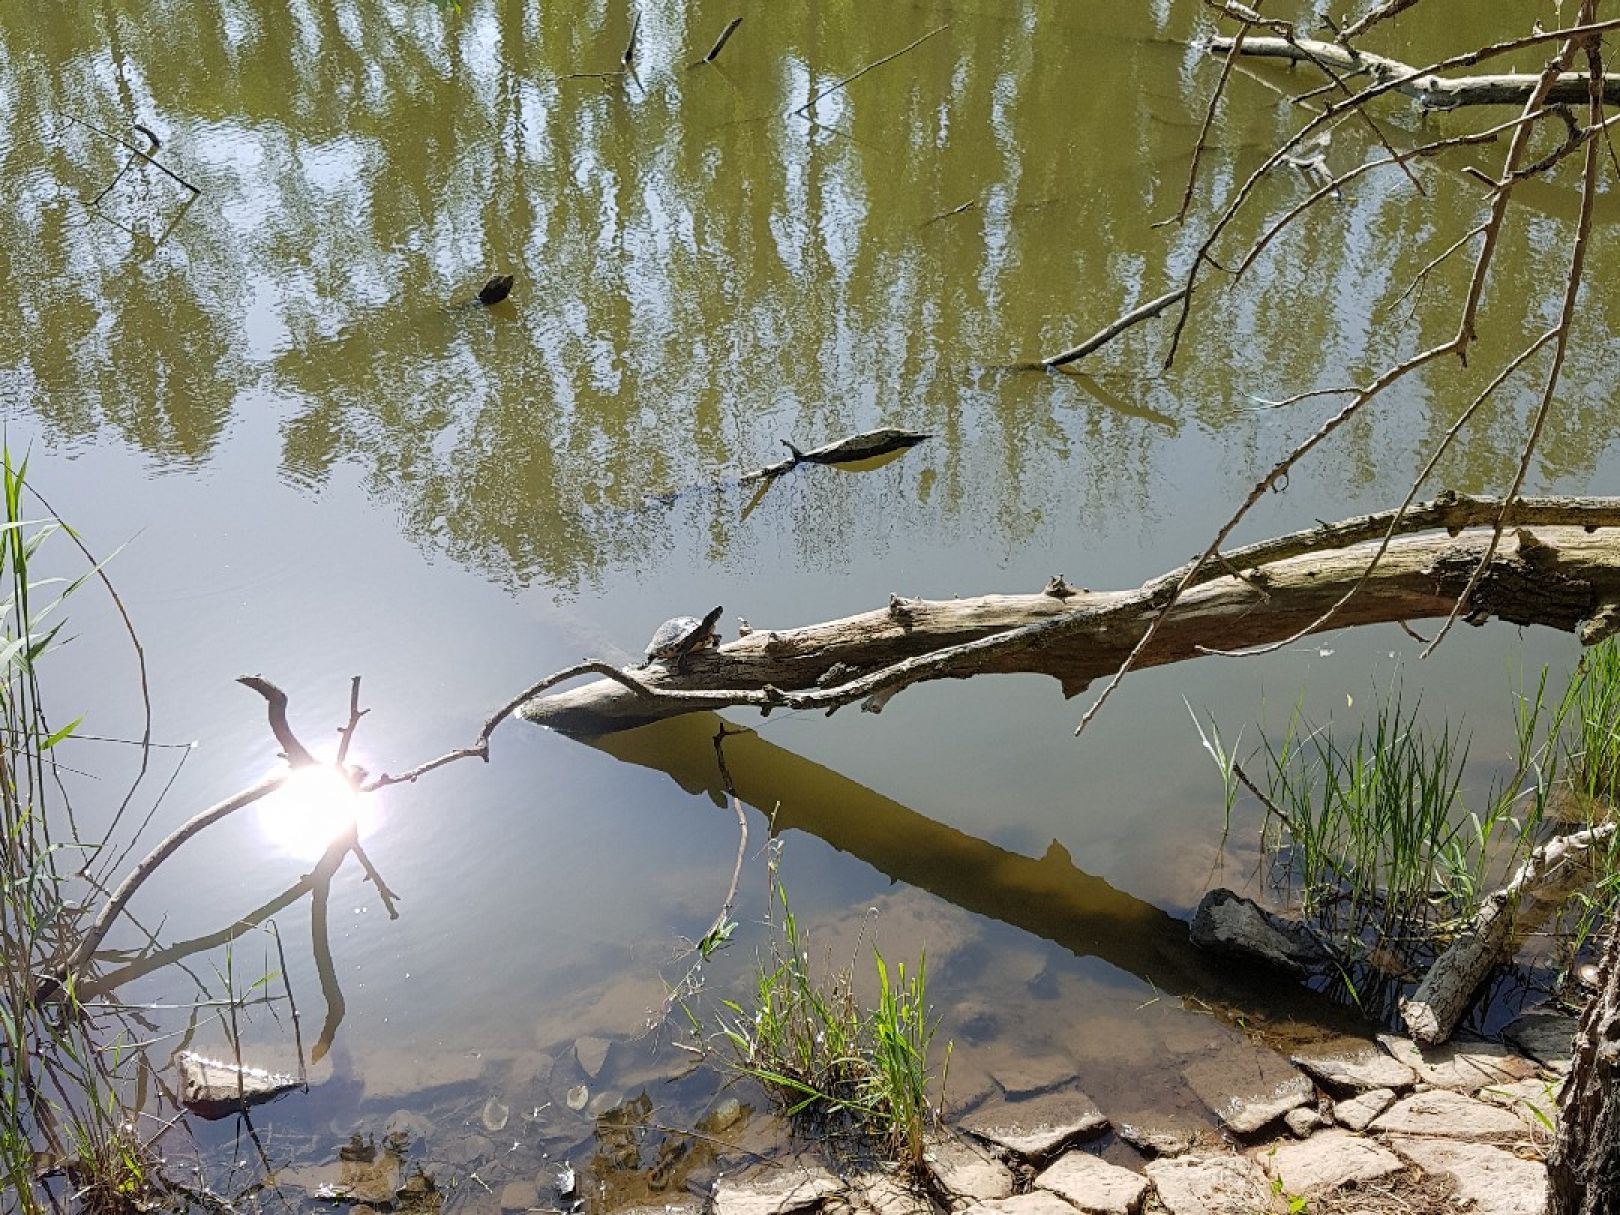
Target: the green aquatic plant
(827, 1061)
(1373, 836)
(61, 1113)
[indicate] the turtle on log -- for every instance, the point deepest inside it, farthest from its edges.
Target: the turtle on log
(677, 639)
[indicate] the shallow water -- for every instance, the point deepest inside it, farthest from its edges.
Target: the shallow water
(315, 458)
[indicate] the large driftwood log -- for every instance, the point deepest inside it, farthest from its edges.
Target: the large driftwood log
(1561, 568)
(1431, 91)
(1546, 878)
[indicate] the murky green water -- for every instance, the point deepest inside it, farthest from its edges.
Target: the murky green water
(317, 459)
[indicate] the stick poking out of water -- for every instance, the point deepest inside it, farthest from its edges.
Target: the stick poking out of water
(720, 42)
(877, 63)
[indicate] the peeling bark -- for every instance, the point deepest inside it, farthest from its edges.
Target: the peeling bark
(1557, 575)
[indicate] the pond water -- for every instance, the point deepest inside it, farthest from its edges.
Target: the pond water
(271, 404)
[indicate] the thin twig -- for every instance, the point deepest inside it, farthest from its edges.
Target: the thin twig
(142, 153)
(1109, 332)
(1566, 319)
(833, 88)
(346, 734)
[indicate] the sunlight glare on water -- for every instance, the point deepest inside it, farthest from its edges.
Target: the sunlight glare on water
(312, 809)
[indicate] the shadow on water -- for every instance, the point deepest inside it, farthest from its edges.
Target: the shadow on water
(1049, 896)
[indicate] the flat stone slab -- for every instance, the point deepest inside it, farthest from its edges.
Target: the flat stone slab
(1325, 1162)
(1359, 1072)
(1040, 1127)
(1246, 1112)
(1449, 1115)
(1093, 1185)
(774, 1191)
(1462, 1064)
(965, 1170)
(889, 1195)
(1213, 1185)
(1036, 1202)
(1357, 1112)
(1547, 1037)
(1534, 1101)
(1495, 1181)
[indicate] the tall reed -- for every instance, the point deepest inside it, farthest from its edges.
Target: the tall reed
(64, 1131)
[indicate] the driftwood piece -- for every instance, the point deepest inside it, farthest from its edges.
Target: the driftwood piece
(1557, 575)
(851, 449)
(1429, 90)
(1545, 878)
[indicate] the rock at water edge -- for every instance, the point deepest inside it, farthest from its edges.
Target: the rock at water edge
(1357, 1113)
(1040, 1127)
(1228, 923)
(1496, 1181)
(1360, 1072)
(1448, 1115)
(774, 1192)
(211, 1088)
(1547, 1037)
(964, 1170)
(1326, 1161)
(1213, 1185)
(1462, 1064)
(1093, 1185)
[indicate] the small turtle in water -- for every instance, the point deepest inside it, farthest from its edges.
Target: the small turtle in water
(496, 290)
(677, 640)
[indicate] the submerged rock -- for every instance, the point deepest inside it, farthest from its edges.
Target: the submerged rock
(495, 1115)
(1248, 1103)
(211, 1088)
(1040, 1127)
(591, 1053)
(1228, 923)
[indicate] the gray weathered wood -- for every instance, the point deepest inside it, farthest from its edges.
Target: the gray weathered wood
(1429, 90)
(1560, 576)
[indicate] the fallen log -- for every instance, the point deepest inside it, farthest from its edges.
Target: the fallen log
(1539, 887)
(1428, 89)
(1565, 573)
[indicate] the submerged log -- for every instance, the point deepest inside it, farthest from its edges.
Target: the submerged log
(1546, 878)
(1429, 90)
(1563, 574)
